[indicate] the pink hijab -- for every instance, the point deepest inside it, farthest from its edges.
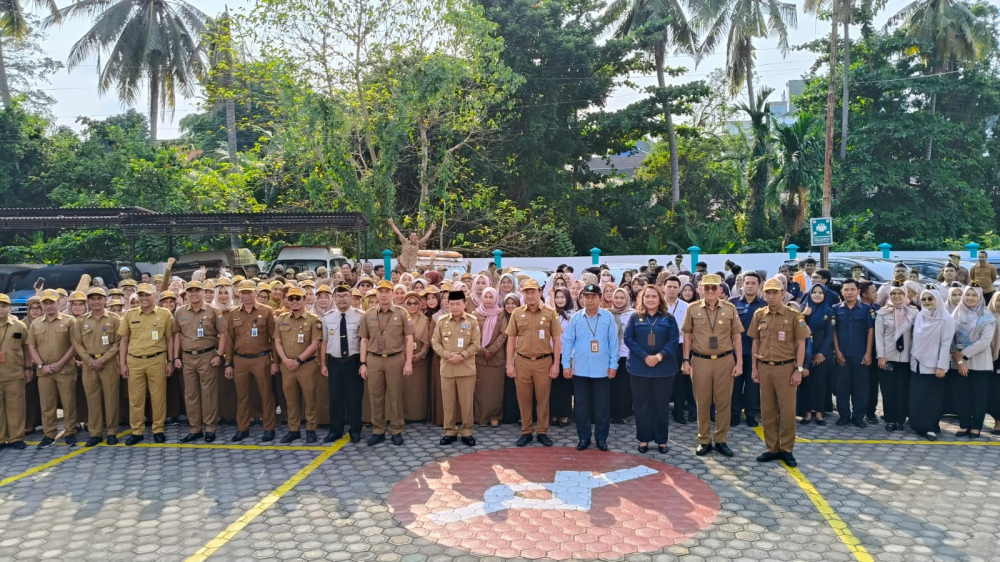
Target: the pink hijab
(490, 314)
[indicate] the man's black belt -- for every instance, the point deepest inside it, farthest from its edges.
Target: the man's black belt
(384, 355)
(775, 363)
(199, 351)
(716, 356)
(311, 357)
(254, 355)
(535, 358)
(147, 356)
(348, 359)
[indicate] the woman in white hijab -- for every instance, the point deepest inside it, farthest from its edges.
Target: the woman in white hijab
(993, 400)
(954, 298)
(893, 342)
(971, 360)
(933, 331)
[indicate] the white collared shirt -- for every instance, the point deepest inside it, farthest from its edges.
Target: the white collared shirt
(331, 331)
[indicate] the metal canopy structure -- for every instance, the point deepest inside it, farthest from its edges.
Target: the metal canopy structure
(136, 221)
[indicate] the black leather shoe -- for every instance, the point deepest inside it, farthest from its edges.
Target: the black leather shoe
(860, 424)
(46, 441)
(70, 441)
(843, 421)
(890, 427)
(602, 445)
(582, 445)
(664, 449)
(544, 440)
(724, 449)
(192, 437)
(963, 433)
(768, 457)
(376, 439)
(524, 439)
(871, 419)
(209, 437)
(469, 441)
(133, 439)
(703, 450)
(240, 436)
(330, 437)
(789, 459)
(291, 436)
(94, 441)
(447, 440)
(930, 436)
(159, 438)
(820, 422)
(18, 446)
(643, 448)
(752, 421)
(112, 440)
(397, 439)
(310, 436)
(805, 421)
(174, 421)
(268, 435)
(355, 437)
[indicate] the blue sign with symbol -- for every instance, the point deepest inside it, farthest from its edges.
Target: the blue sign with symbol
(821, 230)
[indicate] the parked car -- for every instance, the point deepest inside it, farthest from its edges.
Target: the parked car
(308, 258)
(239, 261)
(10, 275)
(65, 276)
(540, 274)
(877, 270)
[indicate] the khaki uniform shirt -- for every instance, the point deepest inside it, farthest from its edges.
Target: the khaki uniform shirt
(457, 335)
(985, 274)
(13, 339)
(408, 255)
(534, 331)
(147, 333)
(386, 331)
(187, 322)
(778, 333)
(297, 334)
(52, 338)
(421, 336)
(703, 324)
(90, 335)
(241, 325)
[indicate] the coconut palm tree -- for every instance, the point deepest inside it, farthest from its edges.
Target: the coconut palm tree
(955, 35)
(151, 43)
(629, 16)
(14, 25)
(739, 22)
(796, 171)
(221, 60)
(758, 171)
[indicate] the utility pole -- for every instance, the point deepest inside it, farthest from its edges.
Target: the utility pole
(831, 103)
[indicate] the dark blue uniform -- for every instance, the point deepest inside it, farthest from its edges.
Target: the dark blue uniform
(852, 329)
(873, 380)
(813, 391)
(746, 393)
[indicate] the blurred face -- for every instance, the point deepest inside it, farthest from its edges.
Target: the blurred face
(489, 300)
(35, 310)
(971, 299)
(505, 285)
(818, 279)
(412, 306)
(365, 286)
(338, 278)
(342, 300)
(366, 267)
(50, 308)
(310, 298)
(872, 293)
(456, 307)
(413, 238)
(355, 301)
(950, 273)
(915, 275)
(608, 293)
(247, 297)
(146, 300)
(263, 297)
(620, 300)
(751, 285)
(955, 260)
(384, 296)
(223, 298)
(982, 257)
(650, 300)
(849, 292)
(433, 301)
(96, 302)
(605, 277)
(296, 303)
(687, 292)
(78, 308)
(531, 297)
(323, 300)
(128, 291)
(169, 304)
(4, 310)
(394, 275)
(955, 297)
(818, 294)
(398, 295)
(560, 299)
(899, 273)
(559, 282)
(575, 290)
(480, 284)
(897, 297)
(509, 306)
(928, 302)
(278, 293)
(591, 301)
(195, 296)
(784, 270)
(711, 292)
(772, 297)
(810, 268)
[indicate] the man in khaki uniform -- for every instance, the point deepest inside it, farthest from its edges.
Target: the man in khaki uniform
(779, 350)
(96, 339)
(298, 334)
(713, 356)
(13, 376)
(251, 362)
(51, 346)
(386, 357)
(200, 341)
(457, 340)
(534, 346)
(985, 273)
(146, 360)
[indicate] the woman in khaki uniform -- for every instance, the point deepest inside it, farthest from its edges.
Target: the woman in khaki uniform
(415, 385)
(227, 387)
(491, 360)
(32, 402)
(435, 405)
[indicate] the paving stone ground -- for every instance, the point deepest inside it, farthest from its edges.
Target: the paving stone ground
(909, 502)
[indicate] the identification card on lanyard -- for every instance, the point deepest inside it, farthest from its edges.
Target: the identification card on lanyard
(201, 331)
(156, 333)
(253, 332)
(104, 337)
(594, 346)
(301, 338)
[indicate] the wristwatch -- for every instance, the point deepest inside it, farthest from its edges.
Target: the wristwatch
(962, 361)
(799, 368)
(364, 363)
(685, 360)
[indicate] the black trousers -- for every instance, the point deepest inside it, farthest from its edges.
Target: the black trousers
(651, 396)
(592, 393)
(346, 392)
(875, 376)
(683, 394)
(971, 394)
(812, 393)
(746, 393)
(895, 391)
(926, 402)
(621, 392)
(852, 388)
(561, 397)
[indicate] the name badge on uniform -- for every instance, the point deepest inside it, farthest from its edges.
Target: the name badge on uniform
(301, 338)
(594, 346)
(461, 343)
(105, 340)
(156, 335)
(201, 332)
(415, 344)
(713, 342)
(781, 336)
(253, 332)
(541, 334)
(651, 339)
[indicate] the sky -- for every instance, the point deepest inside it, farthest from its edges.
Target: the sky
(76, 91)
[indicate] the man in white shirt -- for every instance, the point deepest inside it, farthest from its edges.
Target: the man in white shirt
(342, 341)
(684, 407)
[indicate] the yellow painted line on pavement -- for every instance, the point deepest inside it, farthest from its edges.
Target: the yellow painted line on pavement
(838, 525)
(51, 463)
(226, 446)
(891, 442)
(261, 506)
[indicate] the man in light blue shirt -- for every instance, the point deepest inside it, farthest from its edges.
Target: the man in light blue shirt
(590, 352)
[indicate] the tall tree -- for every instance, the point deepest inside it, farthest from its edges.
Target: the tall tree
(739, 22)
(221, 58)
(668, 27)
(151, 43)
(14, 25)
(795, 171)
(758, 171)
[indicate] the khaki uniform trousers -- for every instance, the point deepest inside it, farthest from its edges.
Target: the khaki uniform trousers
(53, 389)
(712, 380)
(777, 406)
(321, 392)
(385, 389)
(12, 410)
(250, 374)
(457, 394)
(532, 383)
(146, 374)
(299, 387)
(103, 395)
(201, 391)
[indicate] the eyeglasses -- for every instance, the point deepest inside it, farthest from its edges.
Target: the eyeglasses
(294, 299)
(817, 277)
(412, 303)
(711, 288)
(926, 299)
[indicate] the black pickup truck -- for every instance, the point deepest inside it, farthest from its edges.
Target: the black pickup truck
(65, 276)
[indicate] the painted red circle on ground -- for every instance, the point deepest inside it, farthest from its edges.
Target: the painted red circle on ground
(555, 503)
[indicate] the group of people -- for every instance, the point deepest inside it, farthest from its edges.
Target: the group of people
(343, 348)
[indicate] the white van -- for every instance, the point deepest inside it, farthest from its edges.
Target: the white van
(308, 258)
